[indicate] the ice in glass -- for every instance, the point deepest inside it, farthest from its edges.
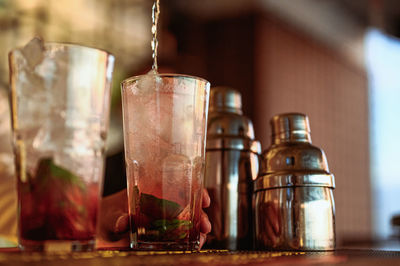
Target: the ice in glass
(164, 132)
(60, 96)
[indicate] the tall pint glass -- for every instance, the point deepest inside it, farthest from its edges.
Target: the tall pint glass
(164, 119)
(60, 99)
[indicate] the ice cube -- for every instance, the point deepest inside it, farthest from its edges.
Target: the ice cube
(29, 85)
(147, 83)
(47, 70)
(33, 52)
(42, 140)
(177, 178)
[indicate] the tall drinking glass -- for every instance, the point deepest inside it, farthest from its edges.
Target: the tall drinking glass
(165, 120)
(60, 99)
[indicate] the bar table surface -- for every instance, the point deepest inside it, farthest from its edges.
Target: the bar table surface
(342, 256)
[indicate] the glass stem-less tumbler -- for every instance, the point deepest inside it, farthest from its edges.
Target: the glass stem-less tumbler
(165, 120)
(60, 99)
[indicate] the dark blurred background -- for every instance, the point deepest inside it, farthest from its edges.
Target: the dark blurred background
(333, 60)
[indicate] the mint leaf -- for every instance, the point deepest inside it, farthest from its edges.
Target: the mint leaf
(172, 229)
(48, 170)
(158, 208)
(171, 224)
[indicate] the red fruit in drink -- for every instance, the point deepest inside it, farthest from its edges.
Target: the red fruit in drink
(32, 213)
(74, 214)
(58, 205)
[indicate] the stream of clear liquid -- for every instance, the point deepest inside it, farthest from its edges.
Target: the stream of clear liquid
(154, 42)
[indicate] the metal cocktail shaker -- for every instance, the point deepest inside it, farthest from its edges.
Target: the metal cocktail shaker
(232, 164)
(293, 199)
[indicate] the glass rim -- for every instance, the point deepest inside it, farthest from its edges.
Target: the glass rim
(65, 44)
(164, 75)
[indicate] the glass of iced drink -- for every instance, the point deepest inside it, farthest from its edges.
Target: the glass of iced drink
(165, 120)
(60, 99)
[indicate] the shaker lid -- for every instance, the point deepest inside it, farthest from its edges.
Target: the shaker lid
(227, 127)
(292, 160)
(225, 99)
(290, 127)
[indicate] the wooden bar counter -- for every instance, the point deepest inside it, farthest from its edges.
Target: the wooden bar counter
(362, 256)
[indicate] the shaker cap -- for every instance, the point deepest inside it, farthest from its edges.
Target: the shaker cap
(292, 160)
(225, 99)
(290, 127)
(227, 127)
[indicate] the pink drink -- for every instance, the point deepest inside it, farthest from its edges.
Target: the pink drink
(164, 127)
(56, 205)
(60, 98)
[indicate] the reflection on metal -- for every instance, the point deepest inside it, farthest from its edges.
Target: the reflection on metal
(232, 163)
(293, 199)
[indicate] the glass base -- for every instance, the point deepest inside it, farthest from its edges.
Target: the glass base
(160, 246)
(57, 245)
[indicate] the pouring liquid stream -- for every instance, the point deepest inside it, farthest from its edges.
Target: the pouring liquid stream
(154, 42)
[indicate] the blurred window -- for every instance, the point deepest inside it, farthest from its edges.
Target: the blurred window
(383, 65)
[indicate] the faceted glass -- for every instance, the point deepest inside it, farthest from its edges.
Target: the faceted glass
(60, 100)
(164, 132)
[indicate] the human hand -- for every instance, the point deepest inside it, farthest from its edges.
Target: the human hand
(205, 225)
(114, 220)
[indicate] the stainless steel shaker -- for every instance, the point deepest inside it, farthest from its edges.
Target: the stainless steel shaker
(232, 164)
(293, 199)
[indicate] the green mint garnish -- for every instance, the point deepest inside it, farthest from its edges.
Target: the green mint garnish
(48, 170)
(159, 208)
(172, 229)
